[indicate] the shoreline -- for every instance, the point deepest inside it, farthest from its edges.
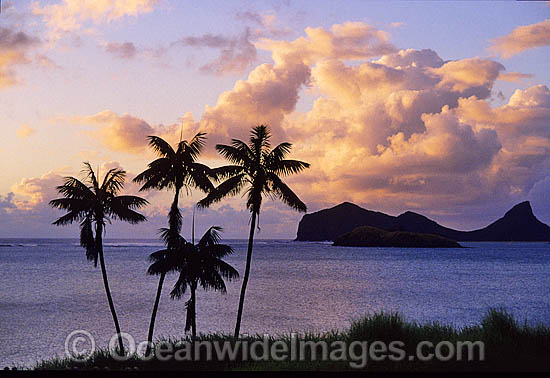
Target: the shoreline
(507, 346)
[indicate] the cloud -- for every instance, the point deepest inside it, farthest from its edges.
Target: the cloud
(36, 192)
(397, 24)
(25, 131)
(6, 203)
(126, 50)
(124, 133)
(271, 91)
(25, 212)
(236, 53)
(347, 41)
(390, 129)
(71, 15)
(513, 77)
(267, 22)
(522, 38)
(468, 76)
(44, 61)
(14, 50)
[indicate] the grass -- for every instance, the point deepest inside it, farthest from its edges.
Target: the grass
(508, 346)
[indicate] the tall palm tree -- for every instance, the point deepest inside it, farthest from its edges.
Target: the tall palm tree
(197, 264)
(259, 168)
(176, 170)
(91, 204)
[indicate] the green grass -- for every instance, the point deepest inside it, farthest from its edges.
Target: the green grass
(509, 346)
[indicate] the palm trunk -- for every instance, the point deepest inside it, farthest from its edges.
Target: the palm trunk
(99, 241)
(246, 274)
(154, 315)
(161, 280)
(194, 314)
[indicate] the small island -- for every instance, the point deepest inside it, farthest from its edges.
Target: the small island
(366, 236)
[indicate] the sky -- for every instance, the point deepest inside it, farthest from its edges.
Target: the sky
(442, 108)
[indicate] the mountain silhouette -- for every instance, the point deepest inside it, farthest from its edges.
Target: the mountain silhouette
(518, 224)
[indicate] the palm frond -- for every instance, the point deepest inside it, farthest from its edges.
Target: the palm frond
(196, 144)
(225, 270)
(155, 176)
(69, 204)
(259, 139)
(229, 187)
(74, 188)
(122, 209)
(212, 280)
(219, 250)
(114, 180)
(161, 147)
(89, 172)
(171, 238)
(281, 151)
(163, 262)
(175, 218)
(198, 177)
(159, 255)
(254, 197)
(87, 240)
(234, 155)
(286, 194)
(180, 287)
(210, 237)
(131, 202)
(225, 172)
(70, 217)
(243, 147)
(288, 167)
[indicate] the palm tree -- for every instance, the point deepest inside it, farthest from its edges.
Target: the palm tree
(258, 168)
(91, 204)
(177, 170)
(197, 264)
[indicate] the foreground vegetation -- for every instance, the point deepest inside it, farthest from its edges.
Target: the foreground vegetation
(509, 346)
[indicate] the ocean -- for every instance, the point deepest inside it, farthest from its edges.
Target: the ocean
(49, 289)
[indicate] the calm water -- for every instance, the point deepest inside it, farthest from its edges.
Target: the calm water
(48, 289)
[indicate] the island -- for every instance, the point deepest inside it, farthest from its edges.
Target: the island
(367, 236)
(518, 224)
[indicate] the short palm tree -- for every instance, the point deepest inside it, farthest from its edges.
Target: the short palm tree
(197, 264)
(259, 168)
(175, 170)
(92, 204)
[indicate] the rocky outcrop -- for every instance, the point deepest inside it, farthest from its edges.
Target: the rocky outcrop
(367, 236)
(518, 224)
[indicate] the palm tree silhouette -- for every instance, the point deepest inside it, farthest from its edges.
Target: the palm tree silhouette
(175, 170)
(258, 168)
(197, 264)
(92, 204)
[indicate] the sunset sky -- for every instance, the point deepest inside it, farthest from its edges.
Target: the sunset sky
(442, 108)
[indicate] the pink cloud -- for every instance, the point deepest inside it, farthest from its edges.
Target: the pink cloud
(126, 50)
(522, 38)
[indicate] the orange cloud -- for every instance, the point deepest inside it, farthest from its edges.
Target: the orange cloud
(468, 75)
(349, 41)
(69, 15)
(513, 77)
(522, 38)
(401, 128)
(36, 191)
(124, 133)
(25, 131)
